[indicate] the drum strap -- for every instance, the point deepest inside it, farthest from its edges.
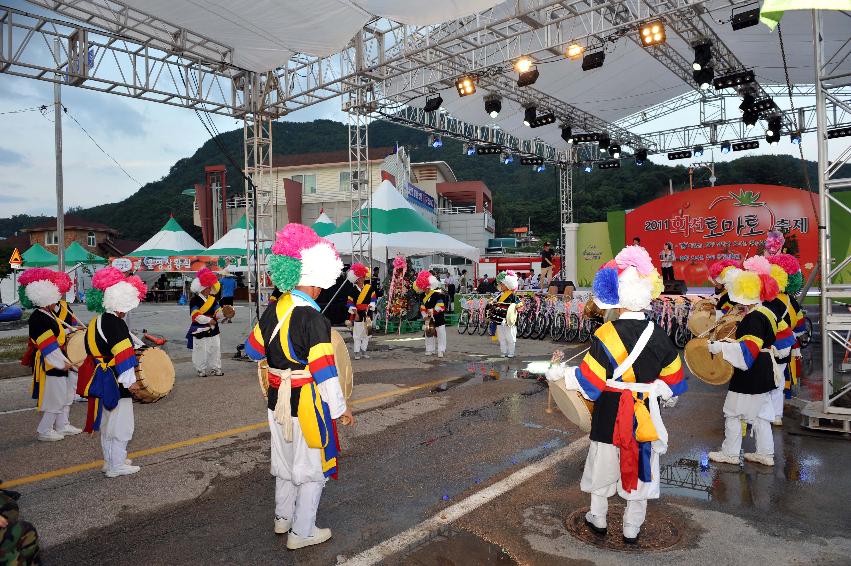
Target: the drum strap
(636, 351)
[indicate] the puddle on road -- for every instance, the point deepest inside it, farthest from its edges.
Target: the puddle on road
(455, 547)
(482, 373)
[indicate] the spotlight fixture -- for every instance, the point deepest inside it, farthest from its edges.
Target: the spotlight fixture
(697, 151)
(640, 156)
(593, 60)
(435, 141)
(652, 33)
(742, 146)
(531, 161)
(615, 150)
(610, 164)
(604, 141)
(704, 77)
(529, 115)
(774, 125)
(542, 120)
(574, 51)
(725, 147)
(587, 137)
(493, 105)
(539, 168)
(702, 55)
(567, 134)
(433, 103)
(588, 167)
(528, 78)
(749, 117)
(674, 155)
(795, 138)
(731, 80)
(747, 102)
(523, 65)
(506, 158)
(466, 85)
(764, 105)
(488, 150)
(745, 19)
(469, 149)
(843, 132)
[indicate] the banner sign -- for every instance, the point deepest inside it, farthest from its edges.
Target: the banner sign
(728, 221)
(171, 264)
(421, 198)
(592, 251)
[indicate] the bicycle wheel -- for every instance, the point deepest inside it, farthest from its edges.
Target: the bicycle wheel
(681, 336)
(527, 328)
(572, 329)
(585, 330)
(543, 326)
(807, 335)
(474, 323)
(484, 323)
(557, 328)
(463, 322)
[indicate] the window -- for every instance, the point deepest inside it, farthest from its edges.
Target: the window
(345, 181)
(51, 238)
(90, 240)
(308, 183)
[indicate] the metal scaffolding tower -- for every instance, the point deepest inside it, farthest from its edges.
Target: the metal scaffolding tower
(565, 199)
(359, 104)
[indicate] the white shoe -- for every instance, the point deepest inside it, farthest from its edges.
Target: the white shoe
(596, 523)
(364, 356)
(723, 458)
(216, 372)
(510, 356)
(440, 354)
(282, 526)
(357, 356)
(429, 353)
(630, 533)
(202, 374)
(778, 421)
(104, 468)
(318, 537)
(69, 430)
(124, 470)
(50, 436)
(764, 459)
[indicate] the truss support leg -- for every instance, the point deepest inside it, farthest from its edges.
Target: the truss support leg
(569, 230)
(358, 106)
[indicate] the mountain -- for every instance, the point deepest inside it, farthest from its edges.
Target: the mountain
(520, 195)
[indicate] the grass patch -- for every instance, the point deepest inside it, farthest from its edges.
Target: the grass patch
(13, 348)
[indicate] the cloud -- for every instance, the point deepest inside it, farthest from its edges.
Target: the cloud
(104, 114)
(12, 198)
(11, 158)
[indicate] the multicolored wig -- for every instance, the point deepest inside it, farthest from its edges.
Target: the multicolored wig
(113, 292)
(357, 271)
(629, 281)
(40, 287)
(301, 258)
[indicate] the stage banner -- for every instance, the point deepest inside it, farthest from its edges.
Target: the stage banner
(728, 221)
(592, 250)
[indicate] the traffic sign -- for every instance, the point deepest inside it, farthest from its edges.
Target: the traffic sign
(16, 261)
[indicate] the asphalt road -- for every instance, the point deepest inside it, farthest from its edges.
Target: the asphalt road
(452, 461)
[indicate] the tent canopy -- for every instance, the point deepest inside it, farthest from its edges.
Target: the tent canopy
(171, 240)
(399, 229)
(323, 225)
(38, 256)
(234, 242)
(75, 253)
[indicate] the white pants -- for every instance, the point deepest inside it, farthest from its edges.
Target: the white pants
(360, 336)
(633, 515)
(755, 409)
(53, 403)
(116, 430)
(298, 477)
(207, 353)
(440, 339)
(507, 336)
(70, 392)
(777, 400)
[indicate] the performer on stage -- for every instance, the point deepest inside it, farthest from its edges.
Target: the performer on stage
(361, 304)
(203, 335)
(754, 367)
(790, 282)
(40, 289)
(505, 333)
(630, 365)
(304, 394)
(433, 305)
(717, 272)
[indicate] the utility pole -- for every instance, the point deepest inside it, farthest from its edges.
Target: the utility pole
(57, 129)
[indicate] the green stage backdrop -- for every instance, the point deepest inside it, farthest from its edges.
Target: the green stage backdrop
(593, 249)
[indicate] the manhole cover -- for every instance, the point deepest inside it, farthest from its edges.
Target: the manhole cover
(659, 532)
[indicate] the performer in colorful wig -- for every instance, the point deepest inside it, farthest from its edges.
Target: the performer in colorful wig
(790, 285)
(108, 376)
(507, 282)
(717, 273)
(203, 334)
(65, 315)
(433, 305)
(360, 304)
(304, 394)
(630, 365)
(41, 288)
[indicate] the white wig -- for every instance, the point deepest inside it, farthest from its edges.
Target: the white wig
(320, 266)
(121, 297)
(433, 282)
(196, 286)
(43, 293)
(511, 281)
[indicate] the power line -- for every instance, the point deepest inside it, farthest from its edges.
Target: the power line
(21, 110)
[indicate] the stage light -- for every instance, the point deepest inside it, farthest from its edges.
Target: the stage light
(704, 77)
(588, 167)
(750, 118)
(615, 150)
(531, 161)
(741, 146)
(674, 155)
(466, 85)
(567, 134)
(528, 78)
(725, 147)
(843, 132)
(435, 141)
(523, 65)
(542, 120)
(493, 105)
(764, 105)
(587, 137)
(745, 19)
(774, 125)
(795, 138)
(640, 157)
(506, 158)
(702, 55)
(604, 141)
(652, 33)
(488, 150)
(610, 164)
(529, 115)
(593, 60)
(539, 168)
(469, 149)
(747, 102)
(698, 151)
(574, 51)
(730, 80)
(433, 103)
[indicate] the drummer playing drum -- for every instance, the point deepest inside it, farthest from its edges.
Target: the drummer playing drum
(630, 365)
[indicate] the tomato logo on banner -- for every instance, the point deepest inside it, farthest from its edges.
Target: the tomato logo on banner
(729, 221)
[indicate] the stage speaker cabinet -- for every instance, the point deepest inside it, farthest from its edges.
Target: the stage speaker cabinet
(675, 287)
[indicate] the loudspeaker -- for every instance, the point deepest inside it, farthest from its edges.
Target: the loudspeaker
(675, 287)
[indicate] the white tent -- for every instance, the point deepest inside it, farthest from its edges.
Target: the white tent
(234, 242)
(399, 229)
(171, 240)
(323, 225)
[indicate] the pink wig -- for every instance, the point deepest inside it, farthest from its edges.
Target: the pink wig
(140, 286)
(788, 262)
(37, 274)
(62, 281)
(774, 242)
(637, 257)
(360, 270)
(422, 281)
(294, 238)
(758, 264)
(716, 268)
(106, 277)
(769, 289)
(206, 277)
